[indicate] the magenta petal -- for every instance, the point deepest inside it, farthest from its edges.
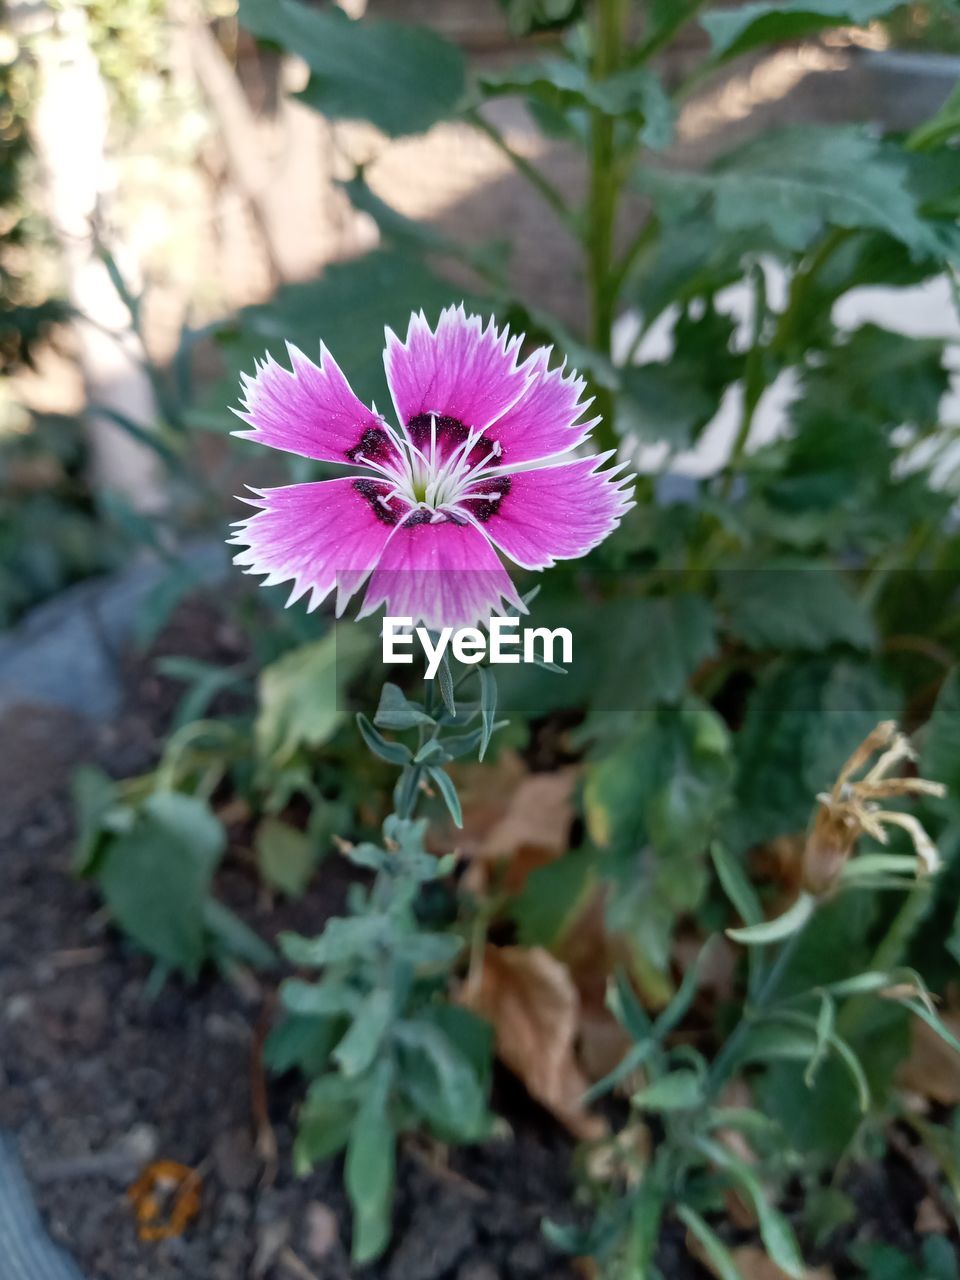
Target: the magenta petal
(323, 535)
(442, 574)
(546, 420)
(551, 513)
(463, 372)
(311, 410)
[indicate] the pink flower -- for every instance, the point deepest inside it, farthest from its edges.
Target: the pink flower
(478, 466)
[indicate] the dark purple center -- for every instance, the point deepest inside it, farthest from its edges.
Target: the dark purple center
(484, 508)
(374, 445)
(451, 433)
(387, 510)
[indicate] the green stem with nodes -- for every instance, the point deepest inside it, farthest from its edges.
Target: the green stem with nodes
(602, 204)
(726, 1060)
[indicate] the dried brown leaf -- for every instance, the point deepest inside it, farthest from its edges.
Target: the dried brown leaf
(534, 1006)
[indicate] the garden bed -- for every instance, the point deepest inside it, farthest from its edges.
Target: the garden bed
(101, 1075)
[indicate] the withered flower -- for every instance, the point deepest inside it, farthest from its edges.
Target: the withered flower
(855, 807)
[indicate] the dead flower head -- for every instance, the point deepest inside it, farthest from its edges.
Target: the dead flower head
(855, 807)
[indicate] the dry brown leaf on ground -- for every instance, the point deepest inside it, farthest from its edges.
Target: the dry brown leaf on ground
(933, 1068)
(513, 819)
(534, 1007)
(752, 1263)
(540, 813)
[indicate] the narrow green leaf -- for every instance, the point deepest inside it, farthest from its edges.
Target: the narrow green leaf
(395, 711)
(445, 786)
(232, 939)
(720, 1257)
(735, 884)
(392, 752)
(318, 999)
(445, 680)
(679, 1091)
(488, 705)
(824, 1033)
(771, 931)
(775, 1231)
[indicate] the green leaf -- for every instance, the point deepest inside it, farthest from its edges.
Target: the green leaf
(889, 377)
(623, 1003)
(205, 680)
(327, 1120)
(445, 681)
(771, 931)
(94, 796)
(319, 999)
(940, 750)
(370, 1170)
(301, 1043)
(941, 127)
(445, 785)
(392, 752)
(156, 878)
(634, 94)
(358, 1049)
(775, 1231)
(526, 16)
(655, 802)
(552, 898)
(673, 400)
(826, 1018)
(342, 938)
(396, 711)
(231, 939)
(720, 1257)
(733, 879)
(285, 856)
(793, 606)
(488, 706)
(665, 783)
(734, 31)
(678, 1091)
(401, 78)
(793, 183)
(300, 694)
(441, 1083)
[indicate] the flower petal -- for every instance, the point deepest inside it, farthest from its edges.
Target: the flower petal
(545, 421)
(311, 410)
(550, 513)
(323, 535)
(463, 373)
(440, 574)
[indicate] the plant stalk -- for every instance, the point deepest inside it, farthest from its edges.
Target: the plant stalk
(602, 205)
